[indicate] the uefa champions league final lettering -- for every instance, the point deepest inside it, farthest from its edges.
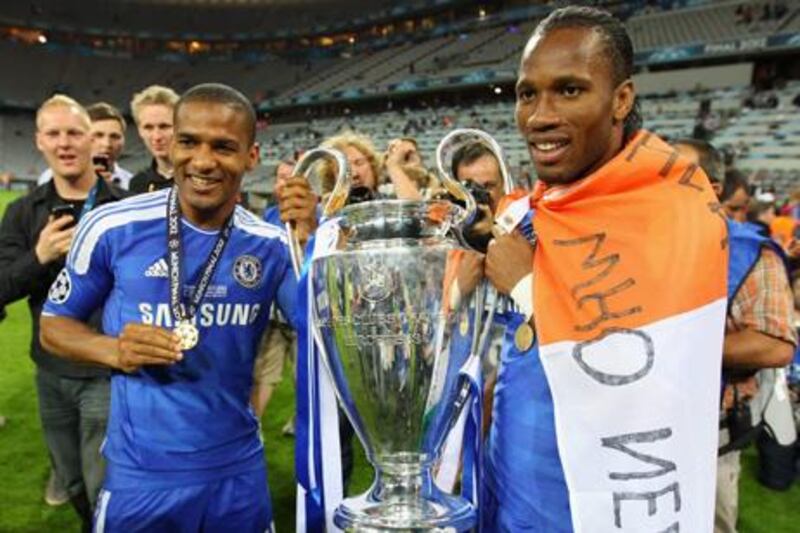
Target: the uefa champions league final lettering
(184, 314)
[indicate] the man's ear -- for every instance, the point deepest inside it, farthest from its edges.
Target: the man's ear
(624, 97)
(253, 157)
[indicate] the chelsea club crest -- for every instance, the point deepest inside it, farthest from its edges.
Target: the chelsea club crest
(247, 271)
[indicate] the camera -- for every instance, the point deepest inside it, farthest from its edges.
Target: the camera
(102, 163)
(360, 194)
(479, 193)
(477, 234)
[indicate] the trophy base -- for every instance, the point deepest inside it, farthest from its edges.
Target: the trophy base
(444, 513)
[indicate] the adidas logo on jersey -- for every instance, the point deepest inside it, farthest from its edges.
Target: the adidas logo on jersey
(159, 269)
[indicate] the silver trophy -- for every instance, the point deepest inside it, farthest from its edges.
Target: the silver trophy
(392, 301)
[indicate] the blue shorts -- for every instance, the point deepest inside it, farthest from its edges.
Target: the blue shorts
(238, 503)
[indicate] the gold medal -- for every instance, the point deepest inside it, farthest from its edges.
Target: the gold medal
(523, 337)
(188, 334)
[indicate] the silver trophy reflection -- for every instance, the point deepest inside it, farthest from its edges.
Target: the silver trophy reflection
(391, 313)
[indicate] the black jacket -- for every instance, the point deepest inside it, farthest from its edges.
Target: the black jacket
(21, 275)
(148, 180)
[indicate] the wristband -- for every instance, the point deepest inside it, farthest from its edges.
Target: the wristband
(522, 294)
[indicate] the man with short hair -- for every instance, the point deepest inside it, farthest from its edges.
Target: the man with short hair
(477, 166)
(279, 341)
(735, 195)
(152, 111)
(406, 175)
(759, 332)
(187, 278)
(624, 286)
(35, 235)
(475, 162)
(108, 141)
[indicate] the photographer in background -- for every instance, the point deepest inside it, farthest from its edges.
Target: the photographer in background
(476, 166)
(35, 235)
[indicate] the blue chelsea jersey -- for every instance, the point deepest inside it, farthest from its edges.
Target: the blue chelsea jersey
(192, 418)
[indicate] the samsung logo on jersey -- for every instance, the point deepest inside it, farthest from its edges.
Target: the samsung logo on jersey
(209, 314)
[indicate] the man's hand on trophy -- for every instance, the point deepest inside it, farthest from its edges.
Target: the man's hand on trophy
(509, 259)
(298, 204)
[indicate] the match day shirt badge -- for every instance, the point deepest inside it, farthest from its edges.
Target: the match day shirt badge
(247, 271)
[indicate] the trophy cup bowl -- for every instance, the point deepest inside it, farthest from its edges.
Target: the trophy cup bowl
(388, 313)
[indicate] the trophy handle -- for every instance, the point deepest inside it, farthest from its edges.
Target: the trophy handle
(453, 186)
(336, 200)
(486, 299)
(448, 179)
(487, 140)
(450, 182)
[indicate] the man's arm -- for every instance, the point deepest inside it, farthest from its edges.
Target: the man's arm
(23, 267)
(749, 349)
(760, 332)
(75, 340)
(396, 157)
(137, 345)
(298, 205)
(81, 288)
(286, 297)
(404, 187)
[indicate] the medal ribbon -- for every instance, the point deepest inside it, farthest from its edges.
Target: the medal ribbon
(181, 311)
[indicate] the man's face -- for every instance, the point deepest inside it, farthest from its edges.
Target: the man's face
(361, 169)
(282, 172)
(108, 139)
(211, 151)
(155, 129)
(412, 157)
(62, 137)
(691, 153)
(486, 172)
(736, 206)
(568, 108)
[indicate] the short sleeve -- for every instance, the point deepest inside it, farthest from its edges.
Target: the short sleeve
(87, 278)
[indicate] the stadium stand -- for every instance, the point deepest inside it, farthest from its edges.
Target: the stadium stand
(433, 59)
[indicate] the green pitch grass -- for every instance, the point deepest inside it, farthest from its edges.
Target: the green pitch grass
(24, 466)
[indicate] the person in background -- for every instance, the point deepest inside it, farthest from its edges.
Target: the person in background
(108, 142)
(405, 172)
(152, 111)
(759, 331)
(36, 233)
(279, 341)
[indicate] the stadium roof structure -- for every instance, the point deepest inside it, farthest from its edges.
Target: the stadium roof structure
(211, 18)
